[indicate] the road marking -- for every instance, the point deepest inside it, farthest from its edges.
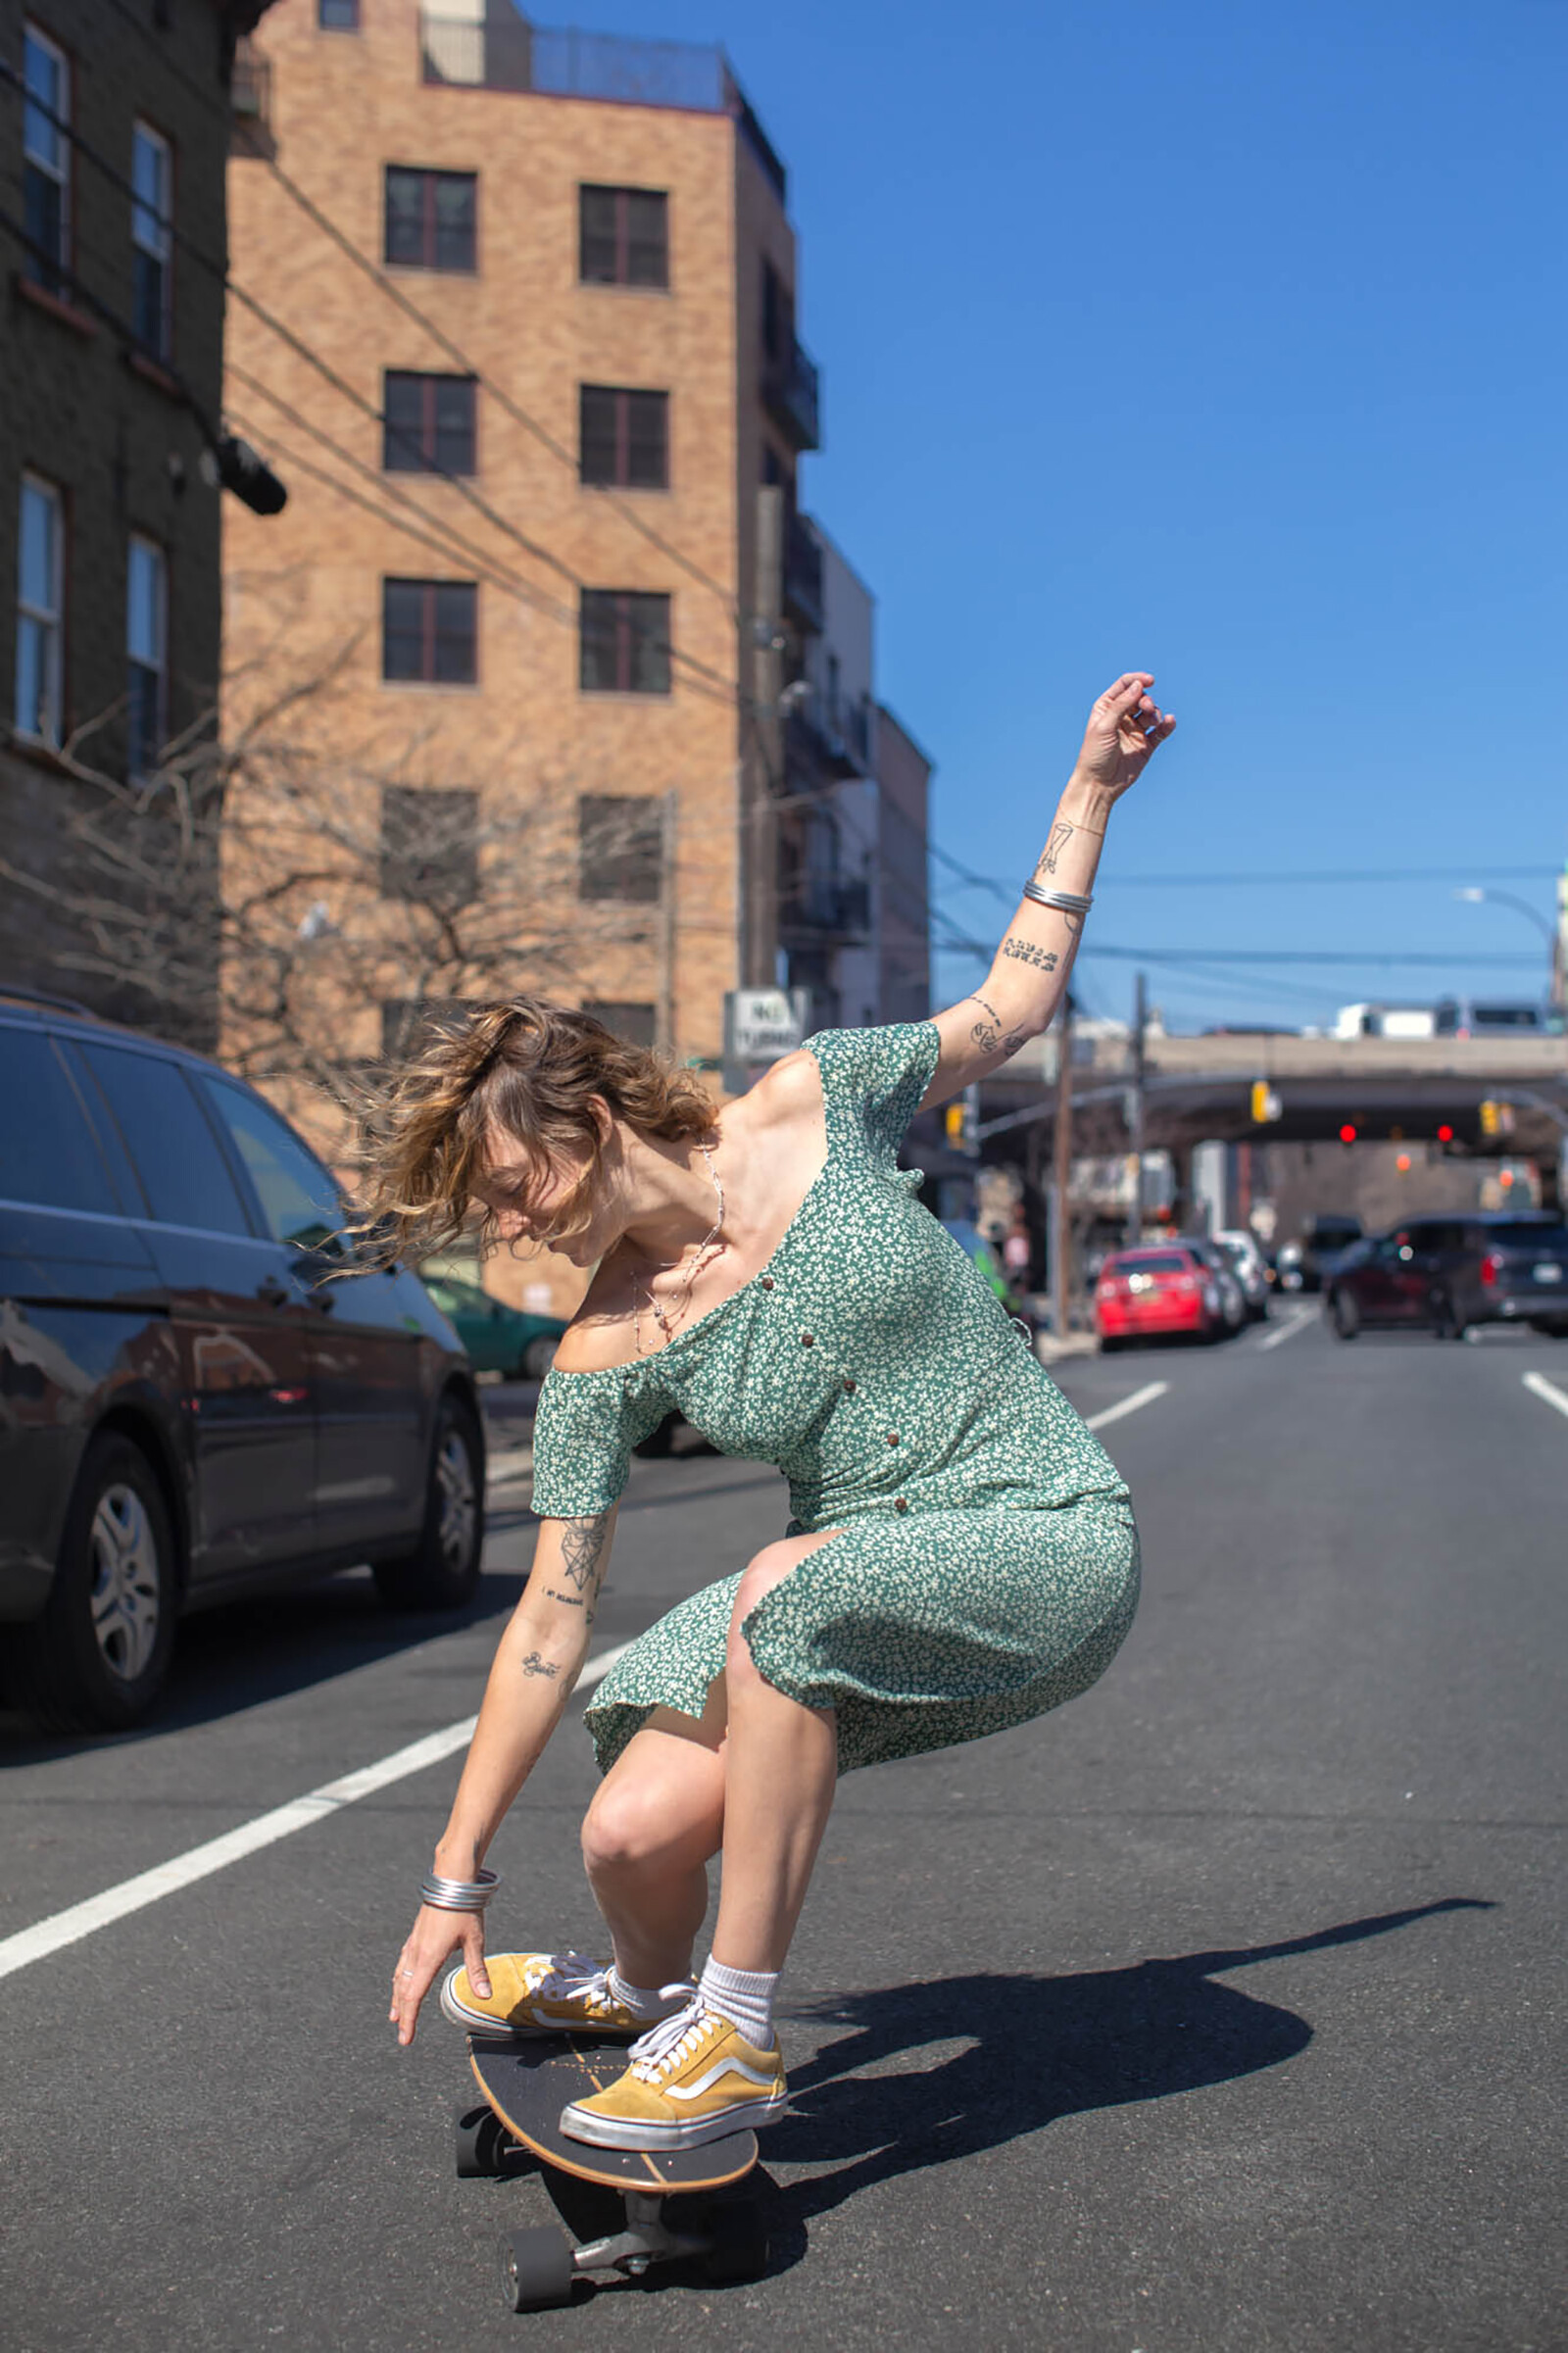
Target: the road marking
(1539, 1385)
(1139, 1398)
(50, 1936)
(1284, 1332)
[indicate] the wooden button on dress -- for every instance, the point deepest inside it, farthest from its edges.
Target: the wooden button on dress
(893, 1438)
(899, 1503)
(768, 1282)
(848, 1386)
(808, 1339)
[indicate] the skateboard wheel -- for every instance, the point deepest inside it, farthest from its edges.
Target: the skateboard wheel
(537, 2269)
(481, 2145)
(740, 2248)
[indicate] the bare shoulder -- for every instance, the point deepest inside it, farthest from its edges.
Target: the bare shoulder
(602, 1334)
(788, 1094)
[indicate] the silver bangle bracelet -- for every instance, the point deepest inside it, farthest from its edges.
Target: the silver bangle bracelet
(458, 1895)
(1069, 903)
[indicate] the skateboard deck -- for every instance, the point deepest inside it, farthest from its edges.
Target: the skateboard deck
(527, 2085)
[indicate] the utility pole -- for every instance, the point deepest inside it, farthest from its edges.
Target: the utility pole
(758, 827)
(1134, 1106)
(1062, 1162)
(665, 1029)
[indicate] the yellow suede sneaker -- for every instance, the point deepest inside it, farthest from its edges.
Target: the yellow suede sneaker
(548, 1994)
(691, 2079)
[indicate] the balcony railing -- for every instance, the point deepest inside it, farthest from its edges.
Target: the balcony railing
(803, 575)
(249, 101)
(501, 50)
(823, 744)
(826, 907)
(791, 388)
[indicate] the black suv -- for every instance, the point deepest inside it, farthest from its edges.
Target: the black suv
(199, 1394)
(1450, 1273)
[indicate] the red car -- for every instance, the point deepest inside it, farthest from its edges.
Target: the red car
(1144, 1294)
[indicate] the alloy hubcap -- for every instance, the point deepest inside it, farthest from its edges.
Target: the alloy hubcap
(454, 1474)
(126, 1587)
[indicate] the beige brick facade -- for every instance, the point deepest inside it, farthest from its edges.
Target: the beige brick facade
(304, 589)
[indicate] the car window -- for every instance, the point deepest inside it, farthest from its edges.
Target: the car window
(182, 1170)
(300, 1203)
(48, 1152)
(1152, 1263)
(1517, 1235)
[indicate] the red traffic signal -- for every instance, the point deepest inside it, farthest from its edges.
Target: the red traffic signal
(1346, 1134)
(1444, 1135)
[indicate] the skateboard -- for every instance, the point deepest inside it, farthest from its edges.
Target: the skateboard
(526, 2085)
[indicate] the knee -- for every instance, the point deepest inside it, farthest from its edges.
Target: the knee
(761, 1575)
(618, 1831)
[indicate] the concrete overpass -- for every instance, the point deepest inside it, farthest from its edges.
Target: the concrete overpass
(1201, 1088)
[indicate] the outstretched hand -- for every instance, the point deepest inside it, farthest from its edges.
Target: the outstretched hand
(436, 1937)
(1126, 728)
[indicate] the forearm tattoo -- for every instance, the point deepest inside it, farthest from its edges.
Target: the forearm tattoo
(582, 1563)
(989, 1035)
(1025, 951)
(1060, 835)
(535, 1664)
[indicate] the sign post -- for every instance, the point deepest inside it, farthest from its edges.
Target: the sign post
(760, 1027)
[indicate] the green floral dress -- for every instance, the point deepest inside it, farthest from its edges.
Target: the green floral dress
(987, 1568)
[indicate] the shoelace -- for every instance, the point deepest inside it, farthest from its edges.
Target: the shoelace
(576, 1977)
(664, 2047)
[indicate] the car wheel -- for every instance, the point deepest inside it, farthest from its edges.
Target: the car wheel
(1344, 1314)
(442, 1572)
(97, 1658)
(537, 1357)
(1107, 1346)
(1440, 1306)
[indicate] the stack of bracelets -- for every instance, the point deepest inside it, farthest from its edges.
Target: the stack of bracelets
(459, 1895)
(1070, 903)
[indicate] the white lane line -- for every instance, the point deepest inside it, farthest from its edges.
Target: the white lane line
(1284, 1332)
(50, 1936)
(1139, 1398)
(1539, 1385)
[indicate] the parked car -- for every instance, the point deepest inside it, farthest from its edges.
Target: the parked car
(974, 1244)
(498, 1339)
(1154, 1292)
(1302, 1263)
(203, 1394)
(1477, 1017)
(1249, 1267)
(1451, 1274)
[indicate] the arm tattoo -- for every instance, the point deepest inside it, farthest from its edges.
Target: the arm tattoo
(1024, 952)
(1060, 836)
(582, 1552)
(533, 1664)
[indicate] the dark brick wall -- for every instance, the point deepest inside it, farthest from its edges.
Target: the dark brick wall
(122, 445)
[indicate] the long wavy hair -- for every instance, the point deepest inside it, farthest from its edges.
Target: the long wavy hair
(527, 1068)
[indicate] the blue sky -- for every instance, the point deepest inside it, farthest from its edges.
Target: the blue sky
(1228, 341)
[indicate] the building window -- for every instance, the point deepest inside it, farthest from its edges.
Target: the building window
(620, 847)
(624, 437)
(429, 846)
(635, 1025)
(152, 177)
(40, 594)
(46, 160)
(429, 424)
(623, 237)
(431, 218)
(146, 655)
(625, 643)
(428, 631)
(337, 16)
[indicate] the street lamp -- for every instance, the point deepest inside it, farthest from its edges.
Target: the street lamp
(1475, 896)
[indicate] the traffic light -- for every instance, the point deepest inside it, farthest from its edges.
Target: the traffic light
(962, 1118)
(1265, 1102)
(1488, 1120)
(1346, 1134)
(1444, 1133)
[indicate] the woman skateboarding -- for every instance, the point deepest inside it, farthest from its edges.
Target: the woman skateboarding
(962, 1553)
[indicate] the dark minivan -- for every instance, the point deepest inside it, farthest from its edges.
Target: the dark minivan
(1452, 1273)
(199, 1395)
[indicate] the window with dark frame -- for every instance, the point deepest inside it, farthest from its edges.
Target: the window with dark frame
(431, 218)
(623, 440)
(623, 236)
(430, 846)
(337, 16)
(620, 847)
(427, 423)
(146, 655)
(40, 610)
(625, 642)
(637, 1025)
(152, 177)
(429, 631)
(45, 161)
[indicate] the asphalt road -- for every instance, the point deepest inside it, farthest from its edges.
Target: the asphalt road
(1210, 2015)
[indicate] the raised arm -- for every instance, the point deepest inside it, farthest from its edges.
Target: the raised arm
(1020, 993)
(537, 1661)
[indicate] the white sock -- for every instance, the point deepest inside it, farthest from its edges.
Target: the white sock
(649, 2003)
(745, 1996)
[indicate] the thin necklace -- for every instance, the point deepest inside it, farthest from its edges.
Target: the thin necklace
(667, 1322)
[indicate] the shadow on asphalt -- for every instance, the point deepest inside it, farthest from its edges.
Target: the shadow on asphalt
(244, 1652)
(1034, 2049)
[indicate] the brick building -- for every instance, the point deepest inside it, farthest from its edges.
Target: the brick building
(111, 381)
